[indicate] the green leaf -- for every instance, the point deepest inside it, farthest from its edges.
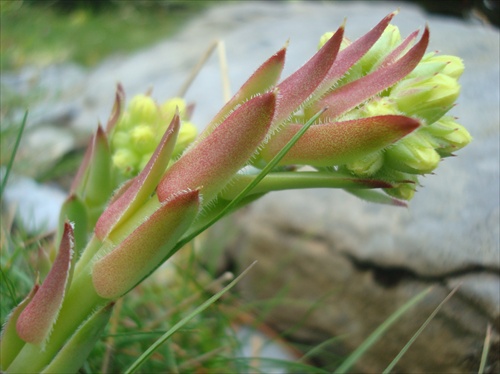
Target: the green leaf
(142, 250)
(337, 143)
(74, 211)
(141, 187)
(211, 163)
(14, 151)
(10, 342)
(246, 191)
(74, 353)
(36, 321)
(376, 197)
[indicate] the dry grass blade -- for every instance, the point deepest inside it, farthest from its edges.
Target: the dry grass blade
(486, 348)
(354, 357)
(197, 68)
(419, 331)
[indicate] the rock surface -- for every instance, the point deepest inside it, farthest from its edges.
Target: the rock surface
(344, 263)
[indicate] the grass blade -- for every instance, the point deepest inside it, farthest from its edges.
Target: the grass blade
(137, 364)
(14, 151)
(419, 331)
(379, 331)
(486, 348)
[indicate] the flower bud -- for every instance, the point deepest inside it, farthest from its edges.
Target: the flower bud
(433, 63)
(120, 139)
(126, 161)
(429, 98)
(404, 184)
(368, 165)
(390, 38)
(447, 136)
(403, 191)
(138, 132)
(124, 122)
(168, 108)
(142, 108)
(413, 154)
(454, 65)
(144, 138)
(187, 135)
(324, 38)
(379, 107)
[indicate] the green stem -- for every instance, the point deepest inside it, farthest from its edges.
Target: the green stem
(294, 180)
(90, 250)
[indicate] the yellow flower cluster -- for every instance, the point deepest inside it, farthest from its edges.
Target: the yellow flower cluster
(140, 128)
(425, 94)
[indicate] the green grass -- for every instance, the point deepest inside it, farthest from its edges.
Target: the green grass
(152, 309)
(42, 35)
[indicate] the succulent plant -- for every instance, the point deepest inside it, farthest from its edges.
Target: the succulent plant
(363, 115)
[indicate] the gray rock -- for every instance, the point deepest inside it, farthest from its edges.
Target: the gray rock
(46, 91)
(43, 145)
(369, 258)
(36, 206)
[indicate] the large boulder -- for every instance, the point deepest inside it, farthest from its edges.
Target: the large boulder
(341, 266)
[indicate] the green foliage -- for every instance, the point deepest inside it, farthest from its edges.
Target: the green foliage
(42, 35)
(18, 263)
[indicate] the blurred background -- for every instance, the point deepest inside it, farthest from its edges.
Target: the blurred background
(49, 31)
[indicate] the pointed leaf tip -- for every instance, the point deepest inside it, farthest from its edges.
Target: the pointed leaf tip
(36, 320)
(347, 57)
(214, 160)
(10, 342)
(117, 108)
(141, 186)
(299, 86)
(262, 80)
(339, 142)
(358, 91)
(141, 252)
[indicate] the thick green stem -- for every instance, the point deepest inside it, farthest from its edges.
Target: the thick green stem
(90, 250)
(297, 180)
